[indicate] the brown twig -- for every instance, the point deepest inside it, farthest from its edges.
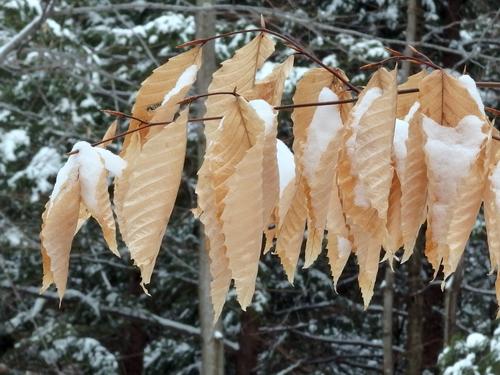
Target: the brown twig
(288, 42)
(149, 124)
(193, 98)
(493, 111)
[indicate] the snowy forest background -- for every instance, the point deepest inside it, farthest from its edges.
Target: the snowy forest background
(90, 55)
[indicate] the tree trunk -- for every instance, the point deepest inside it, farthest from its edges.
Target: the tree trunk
(387, 320)
(451, 294)
(412, 12)
(415, 306)
(212, 362)
(248, 340)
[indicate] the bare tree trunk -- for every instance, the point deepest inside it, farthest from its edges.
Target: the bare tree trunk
(412, 11)
(387, 320)
(450, 302)
(212, 362)
(411, 34)
(415, 308)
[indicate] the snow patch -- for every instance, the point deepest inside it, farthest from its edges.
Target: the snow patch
(185, 79)
(450, 153)
(11, 141)
(399, 144)
(91, 163)
(471, 87)
(413, 109)
(286, 165)
(265, 111)
(324, 126)
(476, 340)
(113, 163)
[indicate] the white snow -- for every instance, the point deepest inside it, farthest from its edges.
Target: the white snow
(399, 144)
(185, 79)
(286, 165)
(265, 111)
(324, 126)
(344, 246)
(90, 169)
(45, 164)
(413, 109)
(463, 365)
(476, 340)
(360, 197)
(11, 141)
(495, 184)
(471, 87)
(91, 162)
(63, 175)
(112, 162)
(450, 153)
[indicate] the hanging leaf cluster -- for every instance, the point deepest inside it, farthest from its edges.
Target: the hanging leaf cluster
(363, 177)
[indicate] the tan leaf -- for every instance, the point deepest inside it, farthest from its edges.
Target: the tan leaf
(373, 144)
(169, 82)
(318, 134)
(243, 220)
(492, 212)
(339, 246)
(291, 230)
(413, 186)
(219, 264)
(271, 87)
(110, 132)
(394, 238)
(237, 72)
(445, 100)
(58, 228)
(454, 120)
(152, 182)
(236, 134)
(405, 101)
(122, 183)
(365, 173)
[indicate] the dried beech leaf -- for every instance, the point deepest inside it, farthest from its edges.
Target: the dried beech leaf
(271, 87)
(243, 221)
(405, 101)
(237, 72)
(394, 238)
(169, 82)
(152, 182)
(236, 134)
(413, 186)
(58, 229)
(318, 134)
(130, 154)
(291, 230)
(339, 246)
(492, 212)
(219, 264)
(365, 173)
(452, 117)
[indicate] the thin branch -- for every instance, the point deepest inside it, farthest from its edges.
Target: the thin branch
(288, 42)
(27, 32)
(149, 124)
(191, 99)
